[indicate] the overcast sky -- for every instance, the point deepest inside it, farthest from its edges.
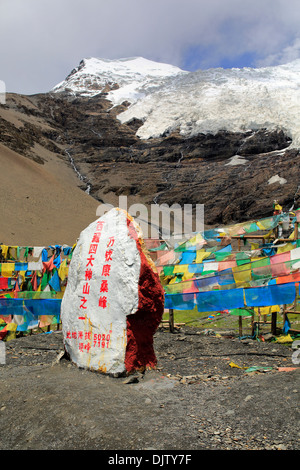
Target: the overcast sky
(41, 41)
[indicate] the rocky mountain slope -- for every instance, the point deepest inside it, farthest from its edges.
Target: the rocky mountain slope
(88, 124)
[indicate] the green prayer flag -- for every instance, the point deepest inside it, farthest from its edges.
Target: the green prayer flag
(168, 270)
(241, 312)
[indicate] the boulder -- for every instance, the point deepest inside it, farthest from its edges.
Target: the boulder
(113, 302)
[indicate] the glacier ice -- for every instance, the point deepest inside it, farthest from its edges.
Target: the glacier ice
(218, 99)
(166, 98)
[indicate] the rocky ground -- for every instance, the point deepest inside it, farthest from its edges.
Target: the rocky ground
(196, 399)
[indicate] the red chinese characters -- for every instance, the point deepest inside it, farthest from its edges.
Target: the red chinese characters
(106, 272)
(108, 255)
(89, 265)
(101, 340)
(87, 340)
(103, 301)
(104, 286)
(90, 261)
(93, 248)
(106, 269)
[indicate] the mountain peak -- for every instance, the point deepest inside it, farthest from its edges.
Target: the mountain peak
(123, 79)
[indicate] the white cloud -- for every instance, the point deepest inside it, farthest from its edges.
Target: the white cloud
(41, 41)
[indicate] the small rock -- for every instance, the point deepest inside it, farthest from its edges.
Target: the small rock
(181, 338)
(132, 379)
(248, 397)
(281, 447)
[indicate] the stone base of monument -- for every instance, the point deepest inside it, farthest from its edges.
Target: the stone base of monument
(114, 301)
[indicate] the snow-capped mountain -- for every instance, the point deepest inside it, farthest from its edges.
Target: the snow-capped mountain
(235, 146)
(166, 98)
(123, 79)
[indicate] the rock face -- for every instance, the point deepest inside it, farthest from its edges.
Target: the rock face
(114, 301)
(227, 172)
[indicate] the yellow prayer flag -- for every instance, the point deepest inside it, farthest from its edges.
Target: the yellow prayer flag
(179, 268)
(241, 276)
(260, 225)
(254, 246)
(233, 364)
(187, 275)
(262, 310)
(285, 248)
(292, 235)
(266, 310)
(201, 255)
(198, 238)
(4, 249)
(63, 270)
(284, 339)
(7, 269)
(11, 326)
(275, 308)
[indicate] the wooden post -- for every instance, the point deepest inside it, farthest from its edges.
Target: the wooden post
(240, 325)
(171, 320)
(252, 324)
(296, 231)
(273, 323)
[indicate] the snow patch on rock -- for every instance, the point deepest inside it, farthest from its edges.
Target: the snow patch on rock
(277, 179)
(236, 160)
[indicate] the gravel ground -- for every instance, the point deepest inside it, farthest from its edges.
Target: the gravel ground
(196, 399)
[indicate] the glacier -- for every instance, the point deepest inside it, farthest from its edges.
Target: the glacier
(167, 99)
(223, 99)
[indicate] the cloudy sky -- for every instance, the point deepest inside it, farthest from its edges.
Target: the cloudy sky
(41, 41)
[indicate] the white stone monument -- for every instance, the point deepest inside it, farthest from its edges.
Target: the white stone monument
(113, 302)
